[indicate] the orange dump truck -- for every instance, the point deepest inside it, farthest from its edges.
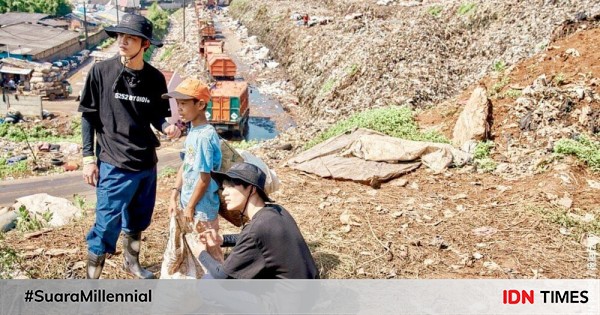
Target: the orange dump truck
(211, 42)
(221, 66)
(207, 29)
(211, 50)
(228, 108)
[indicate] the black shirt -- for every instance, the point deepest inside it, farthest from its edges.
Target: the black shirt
(120, 104)
(271, 247)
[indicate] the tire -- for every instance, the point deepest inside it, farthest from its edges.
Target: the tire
(52, 96)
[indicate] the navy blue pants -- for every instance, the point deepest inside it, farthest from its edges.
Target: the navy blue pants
(125, 202)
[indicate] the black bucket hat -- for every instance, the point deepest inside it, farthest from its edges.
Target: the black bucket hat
(247, 173)
(134, 24)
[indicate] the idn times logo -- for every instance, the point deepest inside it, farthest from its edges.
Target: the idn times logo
(548, 296)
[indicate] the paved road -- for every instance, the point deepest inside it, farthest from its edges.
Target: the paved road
(67, 184)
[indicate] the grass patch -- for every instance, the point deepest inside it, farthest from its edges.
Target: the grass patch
(327, 86)
(12, 170)
(83, 204)
(568, 219)
(351, 70)
(243, 145)
(9, 261)
(559, 79)
(481, 156)
(393, 121)
(167, 53)
(33, 133)
(106, 43)
(583, 148)
(498, 86)
(499, 66)
(167, 172)
(466, 8)
(239, 5)
(435, 11)
(30, 222)
(512, 93)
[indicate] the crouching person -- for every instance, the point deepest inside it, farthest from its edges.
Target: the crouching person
(270, 245)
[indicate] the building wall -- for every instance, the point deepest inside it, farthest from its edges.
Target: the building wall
(28, 105)
(70, 48)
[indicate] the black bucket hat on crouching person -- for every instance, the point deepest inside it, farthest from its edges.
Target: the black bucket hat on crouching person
(247, 173)
(135, 25)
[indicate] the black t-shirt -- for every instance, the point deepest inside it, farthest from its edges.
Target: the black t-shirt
(271, 247)
(126, 102)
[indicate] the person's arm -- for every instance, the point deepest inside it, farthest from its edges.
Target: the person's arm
(197, 194)
(176, 192)
(214, 267)
(87, 134)
(229, 240)
(88, 106)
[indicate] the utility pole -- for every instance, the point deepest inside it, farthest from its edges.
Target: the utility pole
(117, 8)
(183, 21)
(85, 23)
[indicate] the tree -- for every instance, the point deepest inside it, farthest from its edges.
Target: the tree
(50, 7)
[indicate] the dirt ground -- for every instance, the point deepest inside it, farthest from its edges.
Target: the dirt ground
(460, 223)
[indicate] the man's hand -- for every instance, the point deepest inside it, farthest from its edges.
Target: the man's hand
(188, 213)
(90, 174)
(172, 132)
(212, 238)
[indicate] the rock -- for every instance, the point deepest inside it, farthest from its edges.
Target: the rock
(477, 256)
(459, 196)
(399, 182)
(485, 231)
(353, 16)
(593, 184)
(71, 166)
(572, 52)
(8, 221)
(285, 147)
(565, 202)
(473, 122)
(63, 211)
(272, 64)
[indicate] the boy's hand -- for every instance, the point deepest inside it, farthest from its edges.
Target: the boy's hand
(173, 132)
(173, 207)
(188, 213)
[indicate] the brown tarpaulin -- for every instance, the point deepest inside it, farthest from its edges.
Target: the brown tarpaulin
(365, 156)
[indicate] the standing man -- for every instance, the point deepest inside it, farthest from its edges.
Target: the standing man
(120, 100)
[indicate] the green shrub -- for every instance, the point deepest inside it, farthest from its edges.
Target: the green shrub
(10, 170)
(499, 66)
(483, 149)
(466, 8)
(583, 148)
(167, 172)
(27, 222)
(393, 121)
(435, 11)
(481, 156)
(9, 261)
(327, 86)
(243, 145)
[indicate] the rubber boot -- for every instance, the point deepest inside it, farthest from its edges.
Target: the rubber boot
(131, 254)
(95, 264)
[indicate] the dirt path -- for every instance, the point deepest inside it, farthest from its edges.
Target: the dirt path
(67, 184)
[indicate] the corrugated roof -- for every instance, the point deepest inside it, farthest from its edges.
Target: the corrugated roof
(13, 70)
(54, 23)
(35, 37)
(20, 17)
